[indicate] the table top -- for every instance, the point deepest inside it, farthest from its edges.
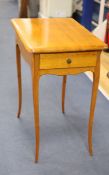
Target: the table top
(55, 35)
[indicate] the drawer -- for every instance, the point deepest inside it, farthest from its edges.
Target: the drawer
(68, 60)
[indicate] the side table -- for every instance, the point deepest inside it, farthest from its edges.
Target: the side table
(58, 46)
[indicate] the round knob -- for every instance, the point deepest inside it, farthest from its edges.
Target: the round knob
(69, 61)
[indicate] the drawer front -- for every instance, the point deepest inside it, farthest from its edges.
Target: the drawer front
(68, 60)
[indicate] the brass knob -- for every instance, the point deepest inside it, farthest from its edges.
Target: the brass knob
(69, 61)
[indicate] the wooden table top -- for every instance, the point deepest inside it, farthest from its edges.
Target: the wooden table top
(55, 35)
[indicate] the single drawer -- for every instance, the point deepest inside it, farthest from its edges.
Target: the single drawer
(68, 60)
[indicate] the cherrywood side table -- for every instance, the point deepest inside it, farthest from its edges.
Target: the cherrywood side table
(58, 46)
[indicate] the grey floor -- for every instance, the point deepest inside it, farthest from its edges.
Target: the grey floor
(63, 142)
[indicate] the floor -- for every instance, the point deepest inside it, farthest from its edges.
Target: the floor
(63, 142)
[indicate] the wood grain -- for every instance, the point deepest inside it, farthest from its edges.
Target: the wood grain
(35, 85)
(18, 62)
(96, 76)
(26, 55)
(69, 71)
(55, 35)
(78, 59)
(64, 92)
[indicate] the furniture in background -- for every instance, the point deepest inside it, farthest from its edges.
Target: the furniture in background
(84, 15)
(23, 8)
(87, 13)
(52, 46)
(48, 8)
(107, 32)
(101, 8)
(28, 8)
(55, 8)
(93, 15)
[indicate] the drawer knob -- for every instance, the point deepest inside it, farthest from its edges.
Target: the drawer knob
(69, 61)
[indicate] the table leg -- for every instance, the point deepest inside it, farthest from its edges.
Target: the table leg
(35, 81)
(18, 62)
(63, 92)
(96, 75)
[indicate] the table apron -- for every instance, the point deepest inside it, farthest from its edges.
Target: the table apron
(68, 60)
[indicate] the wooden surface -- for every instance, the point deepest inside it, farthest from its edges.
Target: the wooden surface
(67, 60)
(18, 62)
(36, 38)
(96, 75)
(64, 92)
(35, 86)
(55, 35)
